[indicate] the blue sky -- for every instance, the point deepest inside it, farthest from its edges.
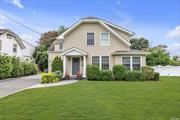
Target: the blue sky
(156, 20)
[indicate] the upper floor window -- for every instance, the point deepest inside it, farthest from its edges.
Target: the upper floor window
(0, 45)
(136, 63)
(9, 36)
(14, 48)
(126, 62)
(95, 60)
(104, 39)
(90, 39)
(105, 62)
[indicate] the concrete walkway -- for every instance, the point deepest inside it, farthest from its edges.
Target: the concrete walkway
(64, 82)
(13, 85)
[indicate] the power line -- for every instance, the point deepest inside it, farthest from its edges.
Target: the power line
(27, 27)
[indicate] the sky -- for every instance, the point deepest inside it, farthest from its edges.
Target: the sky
(156, 20)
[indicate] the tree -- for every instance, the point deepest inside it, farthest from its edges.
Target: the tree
(158, 56)
(61, 29)
(139, 43)
(57, 64)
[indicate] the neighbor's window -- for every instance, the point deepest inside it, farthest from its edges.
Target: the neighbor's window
(90, 39)
(95, 60)
(105, 62)
(136, 63)
(126, 62)
(9, 36)
(104, 39)
(0, 45)
(14, 48)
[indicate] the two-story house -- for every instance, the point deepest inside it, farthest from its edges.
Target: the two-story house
(11, 44)
(95, 41)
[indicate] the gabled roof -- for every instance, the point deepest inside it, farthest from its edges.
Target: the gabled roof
(104, 24)
(74, 51)
(19, 41)
(131, 52)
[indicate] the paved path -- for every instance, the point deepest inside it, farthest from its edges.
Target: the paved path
(64, 82)
(13, 85)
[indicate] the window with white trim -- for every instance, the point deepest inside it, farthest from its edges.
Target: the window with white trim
(14, 48)
(90, 39)
(105, 62)
(104, 39)
(95, 60)
(126, 62)
(136, 63)
(0, 45)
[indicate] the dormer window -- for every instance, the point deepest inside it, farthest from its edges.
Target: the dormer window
(90, 39)
(9, 36)
(104, 39)
(14, 48)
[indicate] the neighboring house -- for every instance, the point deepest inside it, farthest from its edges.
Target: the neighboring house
(95, 41)
(11, 44)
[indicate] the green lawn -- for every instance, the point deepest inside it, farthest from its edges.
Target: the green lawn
(100, 100)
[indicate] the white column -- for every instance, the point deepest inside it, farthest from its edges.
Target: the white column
(131, 68)
(64, 66)
(84, 66)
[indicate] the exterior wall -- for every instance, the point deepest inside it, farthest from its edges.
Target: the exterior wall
(77, 38)
(28, 51)
(7, 46)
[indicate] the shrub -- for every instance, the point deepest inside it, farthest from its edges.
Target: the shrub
(93, 72)
(57, 64)
(148, 72)
(156, 76)
(58, 74)
(106, 75)
(49, 78)
(118, 72)
(5, 66)
(17, 69)
(133, 76)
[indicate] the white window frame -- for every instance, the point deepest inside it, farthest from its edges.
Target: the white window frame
(100, 61)
(92, 59)
(101, 44)
(87, 39)
(108, 61)
(16, 48)
(131, 61)
(139, 61)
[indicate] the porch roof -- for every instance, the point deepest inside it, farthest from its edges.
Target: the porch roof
(73, 52)
(131, 52)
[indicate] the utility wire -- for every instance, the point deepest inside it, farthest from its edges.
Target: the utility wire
(19, 23)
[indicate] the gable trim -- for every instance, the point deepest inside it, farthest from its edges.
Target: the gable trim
(74, 49)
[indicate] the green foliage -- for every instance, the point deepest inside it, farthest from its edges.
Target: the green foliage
(93, 72)
(133, 76)
(61, 29)
(58, 74)
(174, 62)
(5, 66)
(156, 76)
(106, 75)
(139, 43)
(41, 57)
(118, 72)
(57, 64)
(49, 78)
(15, 67)
(148, 72)
(158, 56)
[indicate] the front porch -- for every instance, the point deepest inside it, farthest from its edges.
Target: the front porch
(74, 62)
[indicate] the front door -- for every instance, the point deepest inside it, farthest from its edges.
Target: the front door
(75, 66)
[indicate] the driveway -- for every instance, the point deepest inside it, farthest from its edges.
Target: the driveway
(13, 85)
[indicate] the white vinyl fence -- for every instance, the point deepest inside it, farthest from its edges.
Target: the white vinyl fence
(167, 70)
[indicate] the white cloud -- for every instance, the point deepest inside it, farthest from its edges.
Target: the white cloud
(175, 46)
(175, 33)
(17, 3)
(119, 2)
(26, 37)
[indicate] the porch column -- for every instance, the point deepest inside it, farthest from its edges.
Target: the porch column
(64, 66)
(84, 66)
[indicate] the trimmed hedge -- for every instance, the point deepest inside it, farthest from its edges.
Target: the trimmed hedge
(148, 72)
(15, 67)
(58, 74)
(57, 64)
(156, 76)
(93, 72)
(118, 72)
(133, 76)
(106, 75)
(49, 78)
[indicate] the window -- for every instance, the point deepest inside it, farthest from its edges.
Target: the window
(95, 60)
(105, 62)
(104, 39)
(126, 62)
(9, 36)
(14, 48)
(0, 45)
(136, 63)
(90, 39)
(60, 46)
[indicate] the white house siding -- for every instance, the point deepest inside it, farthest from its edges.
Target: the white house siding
(28, 51)
(167, 70)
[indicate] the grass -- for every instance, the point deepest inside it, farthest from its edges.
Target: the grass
(97, 100)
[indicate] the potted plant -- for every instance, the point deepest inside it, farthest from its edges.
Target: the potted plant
(79, 75)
